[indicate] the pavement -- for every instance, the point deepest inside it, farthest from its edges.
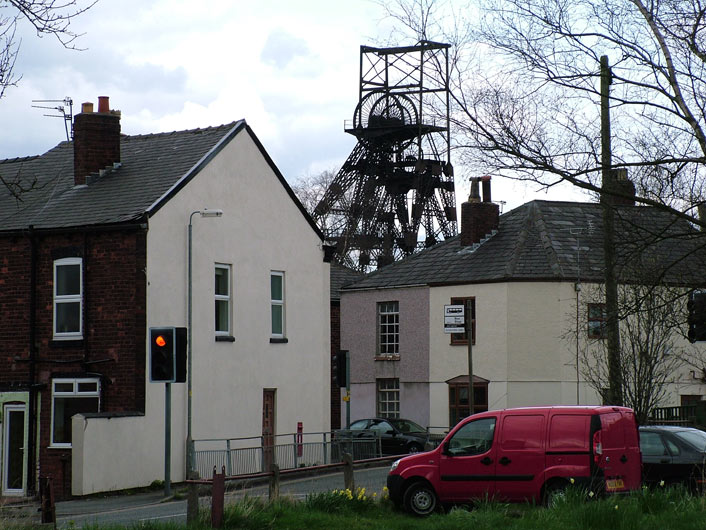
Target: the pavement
(101, 504)
(29, 509)
(83, 508)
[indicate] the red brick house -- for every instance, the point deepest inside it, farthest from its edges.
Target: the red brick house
(78, 286)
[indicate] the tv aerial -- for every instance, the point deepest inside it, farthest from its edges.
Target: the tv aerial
(65, 110)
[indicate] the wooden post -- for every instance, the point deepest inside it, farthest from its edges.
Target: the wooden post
(348, 478)
(48, 507)
(615, 379)
(218, 497)
(274, 482)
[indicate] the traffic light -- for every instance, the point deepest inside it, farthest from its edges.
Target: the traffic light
(697, 316)
(340, 367)
(162, 355)
(167, 352)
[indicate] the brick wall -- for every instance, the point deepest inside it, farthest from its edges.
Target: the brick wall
(114, 320)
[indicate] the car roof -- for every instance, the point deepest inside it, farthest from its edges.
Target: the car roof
(667, 428)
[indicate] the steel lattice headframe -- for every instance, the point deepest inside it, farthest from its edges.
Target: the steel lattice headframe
(394, 194)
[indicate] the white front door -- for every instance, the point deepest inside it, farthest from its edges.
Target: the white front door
(13, 450)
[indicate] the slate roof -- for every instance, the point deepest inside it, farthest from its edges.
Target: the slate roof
(538, 242)
(153, 168)
(341, 276)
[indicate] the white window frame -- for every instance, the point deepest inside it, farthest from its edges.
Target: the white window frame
(388, 328)
(278, 302)
(387, 397)
(68, 298)
(228, 298)
(75, 393)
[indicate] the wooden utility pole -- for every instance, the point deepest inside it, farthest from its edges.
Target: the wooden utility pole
(615, 380)
(469, 336)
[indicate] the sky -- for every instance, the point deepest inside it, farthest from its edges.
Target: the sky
(290, 68)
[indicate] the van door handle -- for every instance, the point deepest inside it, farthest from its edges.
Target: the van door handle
(623, 459)
(504, 460)
(486, 461)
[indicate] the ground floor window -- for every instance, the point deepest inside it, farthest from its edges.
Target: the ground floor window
(69, 397)
(458, 400)
(388, 398)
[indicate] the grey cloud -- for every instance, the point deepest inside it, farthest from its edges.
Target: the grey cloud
(282, 47)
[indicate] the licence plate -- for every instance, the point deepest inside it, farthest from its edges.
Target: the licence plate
(614, 484)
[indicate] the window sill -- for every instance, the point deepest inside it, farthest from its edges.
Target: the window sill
(461, 343)
(62, 446)
(282, 340)
(225, 338)
(387, 357)
(68, 342)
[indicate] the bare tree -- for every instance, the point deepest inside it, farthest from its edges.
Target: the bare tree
(310, 188)
(527, 92)
(526, 88)
(652, 347)
(48, 17)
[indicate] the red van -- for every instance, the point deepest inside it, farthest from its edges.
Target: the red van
(523, 454)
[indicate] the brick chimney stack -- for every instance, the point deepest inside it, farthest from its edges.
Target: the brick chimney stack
(478, 219)
(96, 139)
(622, 184)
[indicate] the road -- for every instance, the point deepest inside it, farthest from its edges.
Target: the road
(125, 510)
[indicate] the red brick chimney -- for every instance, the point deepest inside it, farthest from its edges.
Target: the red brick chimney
(96, 139)
(478, 219)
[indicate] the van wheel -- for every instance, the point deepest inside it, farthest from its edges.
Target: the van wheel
(554, 494)
(420, 499)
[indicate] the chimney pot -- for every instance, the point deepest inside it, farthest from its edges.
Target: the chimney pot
(87, 107)
(478, 219)
(103, 104)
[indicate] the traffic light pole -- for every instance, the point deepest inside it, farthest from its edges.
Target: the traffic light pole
(167, 439)
(348, 390)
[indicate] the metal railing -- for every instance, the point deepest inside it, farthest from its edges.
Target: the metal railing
(242, 456)
(684, 415)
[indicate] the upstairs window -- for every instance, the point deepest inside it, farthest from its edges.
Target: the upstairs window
(388, 328)
(277, 303)
(69, 397)
(68, 298)
(597, 318)
(223, 300)
(462, 338)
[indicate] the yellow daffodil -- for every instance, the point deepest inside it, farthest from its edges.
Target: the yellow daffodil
(571, 480)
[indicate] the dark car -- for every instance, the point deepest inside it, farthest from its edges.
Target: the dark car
(397, 436)
(673, 455)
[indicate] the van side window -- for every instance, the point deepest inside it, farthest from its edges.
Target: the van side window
(522, 432)
(474, 438)
(569, 432)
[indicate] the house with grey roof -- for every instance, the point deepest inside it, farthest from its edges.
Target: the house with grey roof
(109, 235)
(530, 278)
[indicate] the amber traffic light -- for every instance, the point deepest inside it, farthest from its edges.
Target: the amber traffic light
(167, 355)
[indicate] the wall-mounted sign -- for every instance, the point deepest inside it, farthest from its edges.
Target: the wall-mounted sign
(454, 320)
